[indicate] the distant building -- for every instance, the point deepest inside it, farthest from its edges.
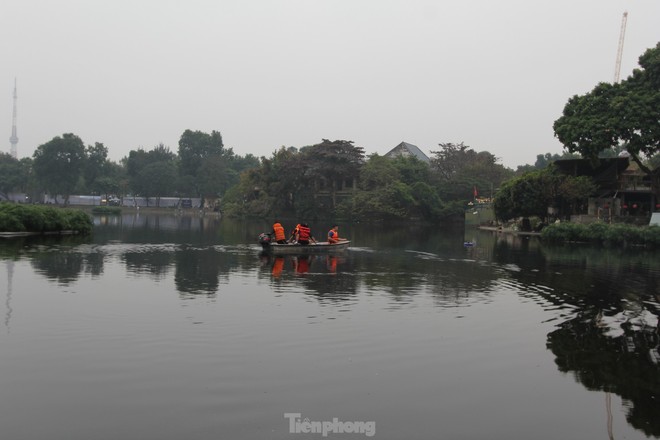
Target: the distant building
(404, 149)
(623, 189)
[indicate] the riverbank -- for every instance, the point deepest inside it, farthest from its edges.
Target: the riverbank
(508, 231)
(599, 233)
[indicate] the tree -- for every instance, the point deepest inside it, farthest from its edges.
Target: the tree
(378, 172)
(13, 175)
(96, 157)
(195, 148)
(333, 162)
(139, 159)
(457, 170)
(411, 169)
(612, 114)
(157, 179)
(58, 164)
(533, 193)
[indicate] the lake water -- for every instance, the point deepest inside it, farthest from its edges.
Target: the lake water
(176, 327)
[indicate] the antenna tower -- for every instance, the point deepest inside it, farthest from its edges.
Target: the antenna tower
(619, 52)
(13, 140)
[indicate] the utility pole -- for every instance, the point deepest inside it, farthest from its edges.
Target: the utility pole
(619, 52)
(13, 140)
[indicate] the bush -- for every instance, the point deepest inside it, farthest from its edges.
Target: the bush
(602, 233)
(24, 218)
(9, 223)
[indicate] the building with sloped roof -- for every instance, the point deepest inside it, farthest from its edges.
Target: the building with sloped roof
(404, 149)
(623, 189)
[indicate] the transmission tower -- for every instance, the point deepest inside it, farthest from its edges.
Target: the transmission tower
(619, 52)
(13, 140)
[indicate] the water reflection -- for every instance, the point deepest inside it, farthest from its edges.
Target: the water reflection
(625, 364)
(606, 333)
(10, 290)
(610, 341)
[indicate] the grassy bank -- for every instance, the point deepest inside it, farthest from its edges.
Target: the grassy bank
(16, 217)
(603, 233)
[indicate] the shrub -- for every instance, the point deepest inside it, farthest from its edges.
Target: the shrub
(24, 218)
(602, 233)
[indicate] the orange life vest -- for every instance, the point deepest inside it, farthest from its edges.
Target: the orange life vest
(279, 232)
(304, 233)
(333, 236)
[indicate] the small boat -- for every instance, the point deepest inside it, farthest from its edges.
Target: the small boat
(320, 247)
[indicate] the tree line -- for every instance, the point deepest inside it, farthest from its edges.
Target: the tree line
(336, 178)
(331, 179)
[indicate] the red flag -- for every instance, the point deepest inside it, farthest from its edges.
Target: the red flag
(475, 192)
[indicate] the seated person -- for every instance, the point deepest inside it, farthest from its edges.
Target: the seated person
(278, 233)
(333, 235)
(305, 235)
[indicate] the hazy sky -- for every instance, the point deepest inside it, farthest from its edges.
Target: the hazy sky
(267, 73)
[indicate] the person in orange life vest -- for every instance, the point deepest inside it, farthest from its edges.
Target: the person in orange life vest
(278, 232)
(333, 235)
(294, 233)
(305, 235)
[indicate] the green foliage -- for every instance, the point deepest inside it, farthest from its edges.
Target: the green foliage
(195, 147)
(457, 170)
(544, 161)
(13, 174)
(392, 202)
(613, 114)
(602, 233)
(427, 202)
(10, 222)
(29, 218)
(533, 193)
(378, 172)
(58, 164)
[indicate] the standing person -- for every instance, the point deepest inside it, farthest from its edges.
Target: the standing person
(278, 233)
(305, 235)
(333, 235)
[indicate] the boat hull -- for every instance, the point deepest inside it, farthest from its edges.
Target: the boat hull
(309, 249)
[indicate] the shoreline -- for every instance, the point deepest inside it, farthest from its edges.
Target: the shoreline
(508, 231)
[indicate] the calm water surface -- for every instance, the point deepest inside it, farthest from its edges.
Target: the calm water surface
(166, 327)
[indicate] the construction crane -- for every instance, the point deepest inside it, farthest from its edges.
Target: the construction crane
(619, 52)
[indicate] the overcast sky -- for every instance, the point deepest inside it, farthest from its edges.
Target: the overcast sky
(267, 73)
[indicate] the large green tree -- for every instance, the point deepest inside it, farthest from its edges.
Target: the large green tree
(157, 179)
(533, 193)
(612, 114)
(197, 151)
(334, 162)
(13, 175)
(457, 170)
(58, 164)
(139, 159)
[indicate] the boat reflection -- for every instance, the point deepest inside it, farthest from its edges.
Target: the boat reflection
(297, 265)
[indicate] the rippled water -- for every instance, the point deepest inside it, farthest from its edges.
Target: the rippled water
(166, 327)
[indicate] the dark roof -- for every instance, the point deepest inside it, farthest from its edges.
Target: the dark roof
(605, 172)
(412, 150)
